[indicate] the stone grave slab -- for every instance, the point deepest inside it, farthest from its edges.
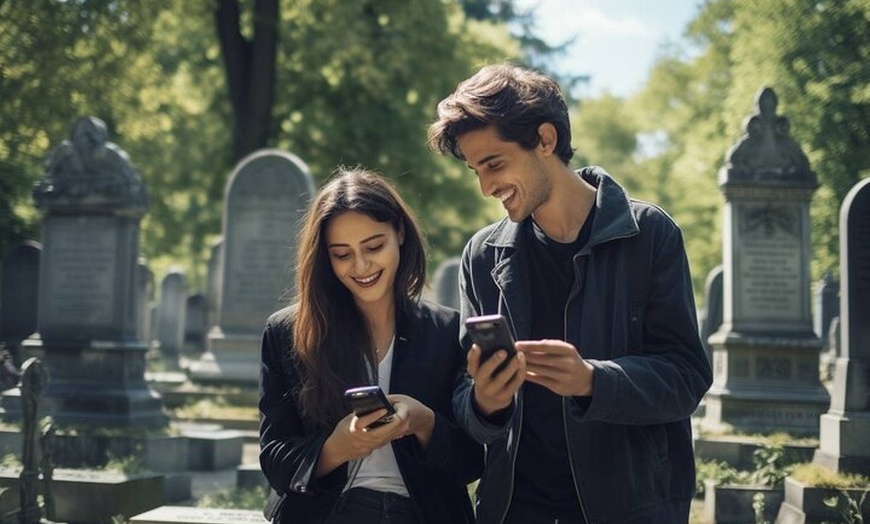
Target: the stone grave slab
(185, 515)
(213, 450)
(83, 496)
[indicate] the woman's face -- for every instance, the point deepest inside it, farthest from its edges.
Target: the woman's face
(364, 254)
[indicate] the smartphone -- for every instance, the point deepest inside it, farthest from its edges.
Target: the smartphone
(365, 399)
(491, 333)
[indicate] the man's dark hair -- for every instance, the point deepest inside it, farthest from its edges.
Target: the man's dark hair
(515, 101)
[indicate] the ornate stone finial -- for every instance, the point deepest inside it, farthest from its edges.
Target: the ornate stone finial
(767, 152)
(87, 171)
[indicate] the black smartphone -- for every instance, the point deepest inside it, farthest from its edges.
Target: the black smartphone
(491, 333)
(365, 399)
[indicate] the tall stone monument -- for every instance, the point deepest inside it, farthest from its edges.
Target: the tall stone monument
(91, 200)
(266, 195)
(845, 428)
(765, 353)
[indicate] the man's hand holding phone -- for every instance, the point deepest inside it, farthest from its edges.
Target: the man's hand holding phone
(493, 362)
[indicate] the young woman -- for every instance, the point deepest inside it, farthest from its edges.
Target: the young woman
(358, 320)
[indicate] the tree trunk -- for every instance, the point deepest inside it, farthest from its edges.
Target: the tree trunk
(250, 71)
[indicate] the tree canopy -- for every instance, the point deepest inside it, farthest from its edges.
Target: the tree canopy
(188, 88)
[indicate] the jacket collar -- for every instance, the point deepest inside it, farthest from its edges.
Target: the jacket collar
(613, 217)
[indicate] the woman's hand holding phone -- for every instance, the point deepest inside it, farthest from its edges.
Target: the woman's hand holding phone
(417, 418)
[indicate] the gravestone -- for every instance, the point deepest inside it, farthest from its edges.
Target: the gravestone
(171, 317)
(826, 297)
(447, 283)
(19, 295)
(765, 353)
(91, 201)
(713, 307)
(266, 196)
(185, 515)
(213, 289)
(195, 324)
(144, 300)
(845, 428)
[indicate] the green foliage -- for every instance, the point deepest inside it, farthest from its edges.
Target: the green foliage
(850, 507)
(129, 465)
(718, 471)
(692, 109)
(252, 498)
(357, 84)
(822, 477)
(758, 507)
(215, 409)
(10, 461)
(772, 463)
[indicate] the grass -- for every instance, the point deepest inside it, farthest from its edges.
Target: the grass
(216, 409)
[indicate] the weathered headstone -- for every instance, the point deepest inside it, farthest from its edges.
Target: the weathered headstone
(213, 289)
(713, 307)
(171, 316)
(91, 200)
(144, 300)
(765, 354)
(19, 294)
(447, 283)
(826, 297)
(845, 428)
(266, 196)
(196, 324)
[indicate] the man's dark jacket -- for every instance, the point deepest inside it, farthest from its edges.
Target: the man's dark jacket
(427, 364)
(631, 315)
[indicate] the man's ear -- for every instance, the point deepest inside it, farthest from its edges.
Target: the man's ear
(548, 137)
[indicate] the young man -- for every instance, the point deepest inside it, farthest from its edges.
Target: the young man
(590, 422)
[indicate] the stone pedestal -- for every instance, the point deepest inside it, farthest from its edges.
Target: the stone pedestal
(765, 353)
(110, 391)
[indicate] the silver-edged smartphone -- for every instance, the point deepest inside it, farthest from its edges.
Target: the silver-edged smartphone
(366, 399)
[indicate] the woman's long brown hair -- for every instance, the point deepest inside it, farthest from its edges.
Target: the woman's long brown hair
(330, 336)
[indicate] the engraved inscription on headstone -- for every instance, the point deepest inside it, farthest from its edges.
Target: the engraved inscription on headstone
(266, 196)
(769, 264)
(264, 202)
(83, 277)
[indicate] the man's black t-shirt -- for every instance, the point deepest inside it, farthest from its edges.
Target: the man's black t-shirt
(543, 477)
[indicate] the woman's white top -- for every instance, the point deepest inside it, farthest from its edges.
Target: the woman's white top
(380, 471)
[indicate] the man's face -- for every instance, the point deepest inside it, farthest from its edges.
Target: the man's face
(506, 171)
